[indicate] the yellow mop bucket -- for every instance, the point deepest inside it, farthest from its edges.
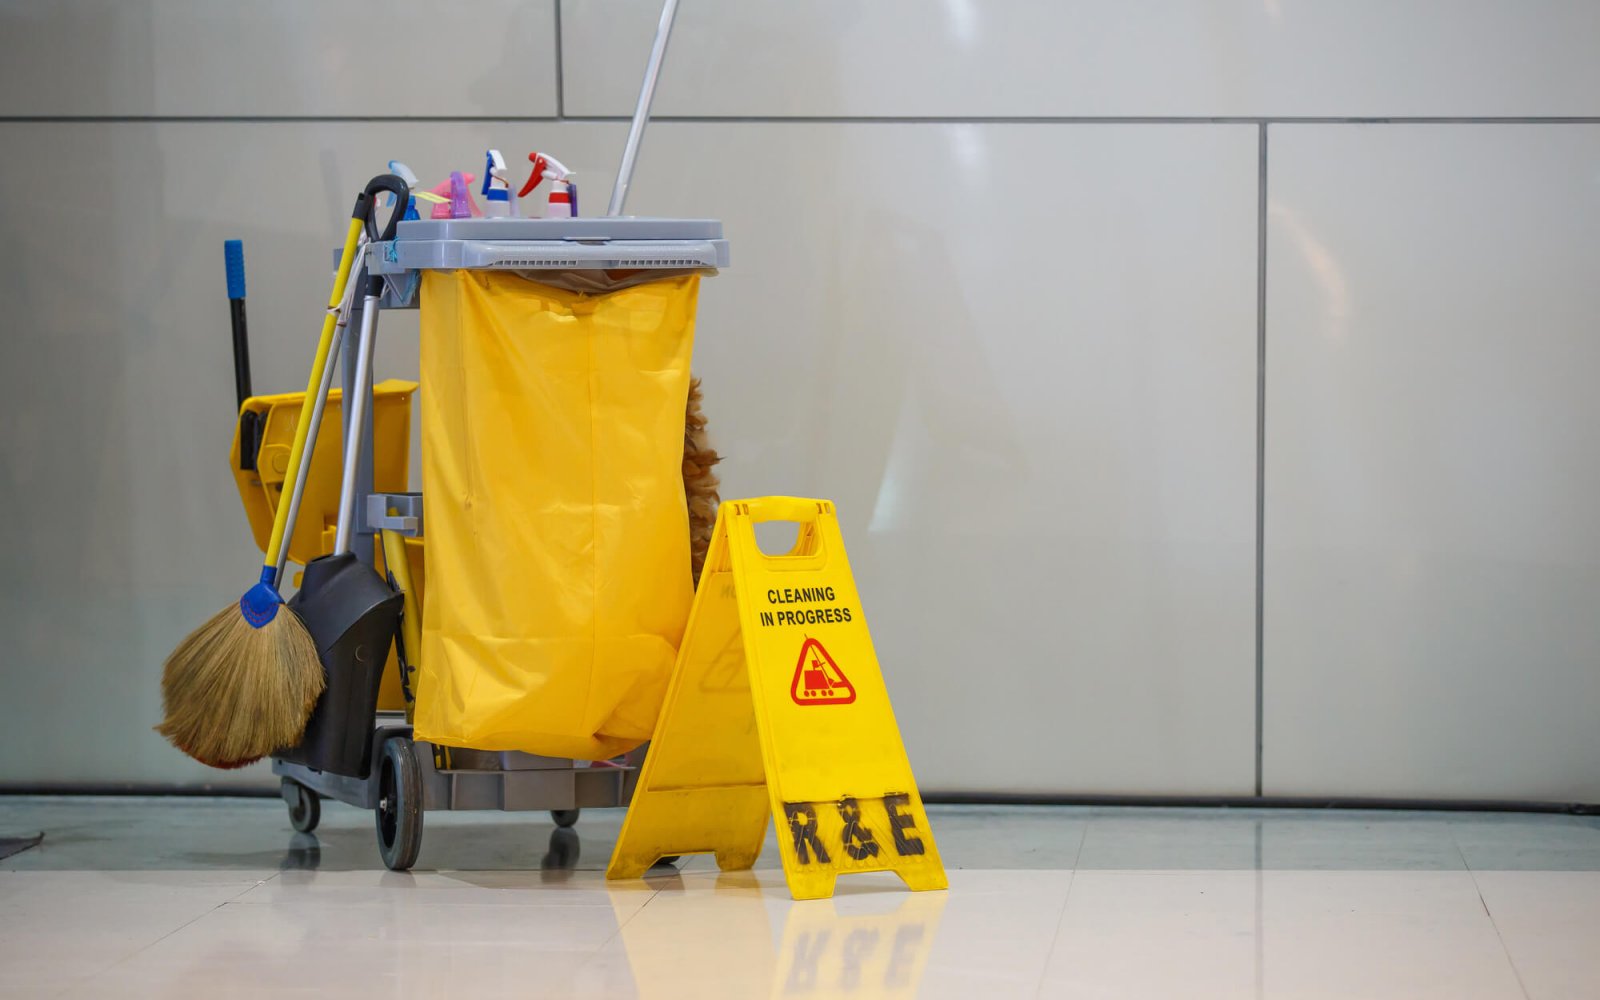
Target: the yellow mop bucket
(557, 536)
(259, 477)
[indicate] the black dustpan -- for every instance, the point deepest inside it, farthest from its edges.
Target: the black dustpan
(352, 615)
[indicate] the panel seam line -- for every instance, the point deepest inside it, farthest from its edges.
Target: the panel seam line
(561, 81)
(561, 116)
(1261, 451)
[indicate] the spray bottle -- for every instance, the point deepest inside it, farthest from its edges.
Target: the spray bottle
(452, 196)
(563, 190)
(461, 204)
(497, 200)
(404, 173)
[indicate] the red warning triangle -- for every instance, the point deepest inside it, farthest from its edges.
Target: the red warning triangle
(818, 680)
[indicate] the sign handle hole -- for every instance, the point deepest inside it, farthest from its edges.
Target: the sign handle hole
(778, 538)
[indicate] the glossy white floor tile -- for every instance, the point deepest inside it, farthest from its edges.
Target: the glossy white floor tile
(1362, 934)
(1146, 934)
(395, 946)
(1277, 933)
(1550, 922)
(170, 898)
(58, 928)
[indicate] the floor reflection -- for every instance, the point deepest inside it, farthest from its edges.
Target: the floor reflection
(304, 854)
(16, 845)
(753, 940)
(1043, 901)
(829, 952)
(564, 851)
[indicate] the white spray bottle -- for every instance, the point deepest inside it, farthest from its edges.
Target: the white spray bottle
(563, 202)
(497, 200)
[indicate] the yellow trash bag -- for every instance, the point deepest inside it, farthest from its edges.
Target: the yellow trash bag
(557, 536)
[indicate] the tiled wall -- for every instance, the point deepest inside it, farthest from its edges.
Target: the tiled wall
(1204, 386)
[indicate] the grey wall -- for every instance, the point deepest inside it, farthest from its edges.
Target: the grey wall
(1191, 377)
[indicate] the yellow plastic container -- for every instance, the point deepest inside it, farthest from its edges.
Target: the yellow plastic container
(261, 489)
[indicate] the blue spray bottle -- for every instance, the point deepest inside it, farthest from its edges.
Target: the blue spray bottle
(403, 172)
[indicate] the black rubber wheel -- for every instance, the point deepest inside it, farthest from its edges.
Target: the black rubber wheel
(564, 817)
(399, 811)
(305, 806)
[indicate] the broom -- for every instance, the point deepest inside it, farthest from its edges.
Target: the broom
(699, 482)
(243, 684)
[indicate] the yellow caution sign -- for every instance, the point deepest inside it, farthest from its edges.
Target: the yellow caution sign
(777, 706)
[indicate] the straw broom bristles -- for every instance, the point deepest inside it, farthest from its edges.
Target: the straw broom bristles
(699, 482)
(234, 693)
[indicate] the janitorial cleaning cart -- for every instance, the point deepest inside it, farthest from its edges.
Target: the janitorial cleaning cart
(502, 639)
(587, 285)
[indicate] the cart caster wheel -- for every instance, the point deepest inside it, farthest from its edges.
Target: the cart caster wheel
(564, 817)
(399, 812)
(305, 806)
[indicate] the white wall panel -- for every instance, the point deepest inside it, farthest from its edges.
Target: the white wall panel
(122, 528)
(349, 58)
(1021, 359)
(1433, 551)
(963, 58)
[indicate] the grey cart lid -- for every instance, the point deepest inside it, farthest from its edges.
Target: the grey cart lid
(555, 244)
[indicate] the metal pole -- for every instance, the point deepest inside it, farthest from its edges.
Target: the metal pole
(355, 405)
(299, 490)
(641, 113)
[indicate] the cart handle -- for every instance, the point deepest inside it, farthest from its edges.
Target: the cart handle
(395, 185)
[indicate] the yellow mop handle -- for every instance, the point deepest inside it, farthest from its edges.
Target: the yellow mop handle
(297, 453)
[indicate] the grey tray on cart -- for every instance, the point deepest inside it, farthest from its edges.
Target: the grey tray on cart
(564, 244)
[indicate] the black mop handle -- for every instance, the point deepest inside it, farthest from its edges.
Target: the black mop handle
(233, 254)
